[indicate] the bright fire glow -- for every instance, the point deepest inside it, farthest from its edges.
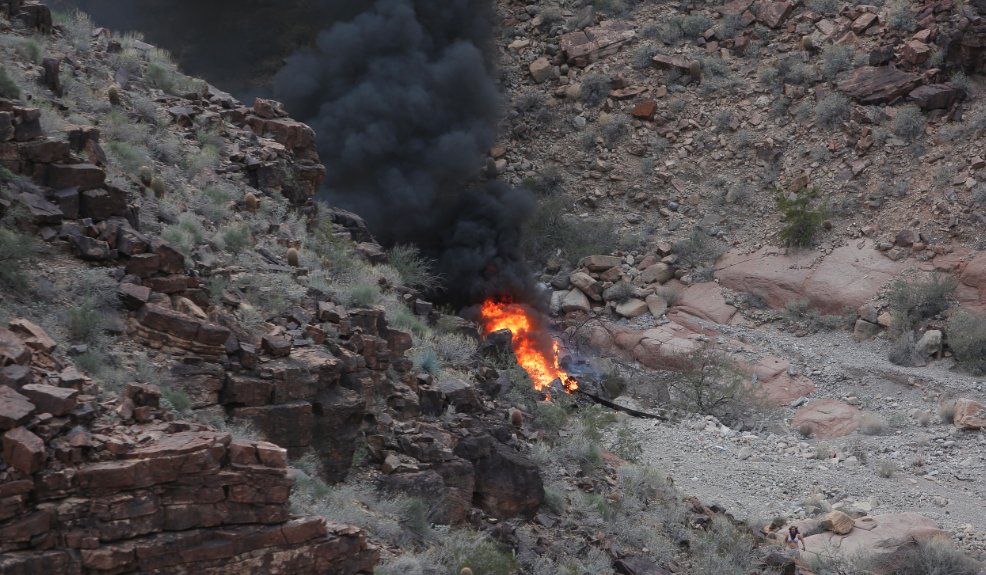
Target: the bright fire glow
(540, 366)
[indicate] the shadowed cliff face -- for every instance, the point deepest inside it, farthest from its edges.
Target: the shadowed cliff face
(401, 95)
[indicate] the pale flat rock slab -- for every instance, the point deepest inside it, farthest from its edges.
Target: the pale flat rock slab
(848, 277)
(827, 418)
(705, 301)
(881, 536)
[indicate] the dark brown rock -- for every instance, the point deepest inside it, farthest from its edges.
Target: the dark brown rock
(133, 296)
(171, 260)
(276, 345)
(50, 399)
(23, 450)
(878, 84)
(507, 483)
(32, 335)
(81, 176)
(67, 201)
(583, 47)
(143, 265)
(100, 204)
(91, 249)
(772, 14)
(169, 321)
(42, 211)
(936, 96)
(645, 110)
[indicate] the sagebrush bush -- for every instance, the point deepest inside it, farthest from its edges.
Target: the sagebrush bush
(873, 424)
(801, 219)
(967, 339)
(709, 383)
(832, 111)
(903, 351)
(549, 230)
(84, 322)
(698, 250)
(595, 89)
(900, 17)
(937, 556)
(886, 468)
(642, 57)
(912, 302)
(824, 7)
(16, 250)
(8, 88)
(908, 123)
(835, 59)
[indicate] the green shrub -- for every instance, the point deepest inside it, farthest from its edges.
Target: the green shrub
(826, 8)
(901, 18)
(235, 238)
(698, 250)
(627, 444)
(801, 219)
(937, 556)
(913, 302)
(453, 348)
(908, 123)
(903, 351)
(8, 88)
(832, 111)
(176, 398)
(427, 360)
(595, 89)
(835, 59)
(129, 157)
(643, 57)
(709, 383)
(554, 499)
(886, 468)
(83, 322)
(415, 270)
(967, 339)
(16, 250)
(549, 229)
(361, 295)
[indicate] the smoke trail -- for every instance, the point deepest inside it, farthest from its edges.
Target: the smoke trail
(404, 105)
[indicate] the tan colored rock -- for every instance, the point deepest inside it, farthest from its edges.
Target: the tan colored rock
(864, 330)
(838, 522)
(657, 273)
(542, 70)
(632, 308)
(827, 418)
(587, 285)
(969, 414)
(575, 301)
(597, 264)
(705, 301)
(33, 335)
(656, 304)
(12, 349)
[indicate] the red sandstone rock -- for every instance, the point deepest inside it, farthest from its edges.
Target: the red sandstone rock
(23, 450)
(827, 418)
(50, 399)
(15, 409)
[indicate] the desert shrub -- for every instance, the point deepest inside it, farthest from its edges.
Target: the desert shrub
(550, 16)
(595, 89)
(78, 28)
(533, 108)
(547, 182)
(360, 294)
(794, 71)
(16, 250)
(913, 302)
(824, 7)
(693, 25)
(613, 131)
(186, 234)
(235, 238)
(770, 78)
(967, 339)
(479, 552)
(908, 123)
(627, 443)
(8, 88)
(873, 424)
(832, 111)
(903, 351)
(937, 556)
(426, 359)
(886, 468)
(698, 250)
(709, 383)
(730, 26)
(801, 219)
(582, 452)
(414, 268)
(742, 139)
(642, 57)
(722, 119)
(835, 59)
(129, 157)
(176, 399)
(554, 499)
(900, 17)
(713, 67)
(83, 322)
(723, 548)
(550, 416)
(549, 229)
(453, 348)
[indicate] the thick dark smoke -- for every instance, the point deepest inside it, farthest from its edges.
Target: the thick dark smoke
(404, 106)
(402, 98)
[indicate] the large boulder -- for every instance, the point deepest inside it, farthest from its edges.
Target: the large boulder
(882, 537)
(969, 415)
(838, 522)
(827, 418)
(507, 483)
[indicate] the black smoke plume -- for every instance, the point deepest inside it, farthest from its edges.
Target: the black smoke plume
(403, 101)
(405, 107)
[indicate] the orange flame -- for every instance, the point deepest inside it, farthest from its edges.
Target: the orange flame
(542, 367)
